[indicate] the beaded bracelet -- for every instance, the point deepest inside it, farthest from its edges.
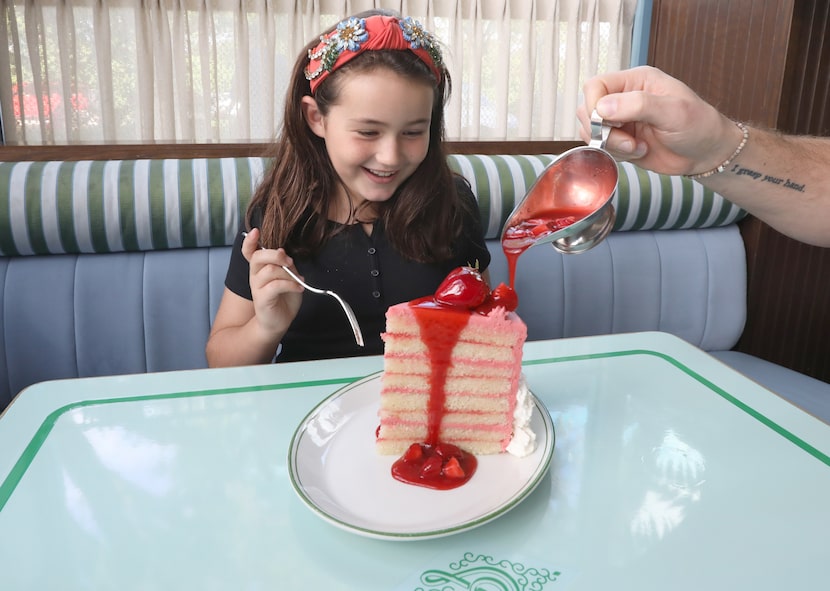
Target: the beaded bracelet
(729, 160)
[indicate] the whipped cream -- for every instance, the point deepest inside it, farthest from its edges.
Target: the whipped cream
(524, 439)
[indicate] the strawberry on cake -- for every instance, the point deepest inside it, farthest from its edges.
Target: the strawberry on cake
(452, 374)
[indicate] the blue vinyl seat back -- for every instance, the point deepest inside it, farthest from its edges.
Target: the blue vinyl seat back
(117, 266)
(89, 315)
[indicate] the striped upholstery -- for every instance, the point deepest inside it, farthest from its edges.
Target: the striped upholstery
(123, 205)
(142, 205)
(641, 204)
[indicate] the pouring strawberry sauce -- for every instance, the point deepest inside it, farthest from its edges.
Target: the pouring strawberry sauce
(521, 236)
(441, 318)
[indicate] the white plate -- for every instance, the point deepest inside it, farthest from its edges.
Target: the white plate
(336, 471)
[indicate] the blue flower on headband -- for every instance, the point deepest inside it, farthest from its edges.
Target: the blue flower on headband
(415, 33)
(350, 34)
(420, 38)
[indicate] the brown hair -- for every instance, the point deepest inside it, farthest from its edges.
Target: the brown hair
(422, 219)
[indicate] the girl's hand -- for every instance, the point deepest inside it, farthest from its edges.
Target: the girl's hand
(276, 296)
(659, 122)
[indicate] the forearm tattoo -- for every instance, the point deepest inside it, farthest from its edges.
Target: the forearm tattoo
(739, 170)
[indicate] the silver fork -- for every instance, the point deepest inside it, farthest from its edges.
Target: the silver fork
(358, 335)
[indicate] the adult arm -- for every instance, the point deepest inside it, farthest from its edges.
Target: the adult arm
(662, 125)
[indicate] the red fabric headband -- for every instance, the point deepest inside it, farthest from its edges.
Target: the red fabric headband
(353, 36)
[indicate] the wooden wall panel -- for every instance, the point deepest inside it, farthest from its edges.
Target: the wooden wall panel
(789, 282)
(789, 301)
(731, 52)
(766, 62)
(806, 96)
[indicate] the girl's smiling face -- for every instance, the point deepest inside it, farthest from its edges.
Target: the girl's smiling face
(376, 134)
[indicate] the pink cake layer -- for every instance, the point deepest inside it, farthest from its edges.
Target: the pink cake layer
(480, 389)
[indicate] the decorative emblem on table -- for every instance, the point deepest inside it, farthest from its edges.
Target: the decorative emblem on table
(480, 572)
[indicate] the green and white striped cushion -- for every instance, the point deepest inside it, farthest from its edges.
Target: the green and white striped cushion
(641, 202)
(123, 205)
(135, 205)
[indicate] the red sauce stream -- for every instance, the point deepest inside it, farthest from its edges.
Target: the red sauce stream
(435, 464)
(440, 329)
(519, 238)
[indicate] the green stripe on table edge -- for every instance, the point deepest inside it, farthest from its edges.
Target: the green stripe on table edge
(29, 453)
(818, 454)
(37, 441)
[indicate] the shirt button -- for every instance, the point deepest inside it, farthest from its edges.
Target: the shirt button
(375, 273)
(372, 250)
(375, 294)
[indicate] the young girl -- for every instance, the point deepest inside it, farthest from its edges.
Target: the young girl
(359, 200)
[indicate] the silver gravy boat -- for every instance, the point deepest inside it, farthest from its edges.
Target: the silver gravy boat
(581, 180)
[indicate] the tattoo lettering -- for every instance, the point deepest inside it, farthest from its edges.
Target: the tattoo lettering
(738, 170)
(794, 186)
(746, 172)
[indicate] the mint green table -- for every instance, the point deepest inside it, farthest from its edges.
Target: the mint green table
(670, 471)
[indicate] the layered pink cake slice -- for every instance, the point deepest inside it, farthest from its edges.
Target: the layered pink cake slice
(451, 375)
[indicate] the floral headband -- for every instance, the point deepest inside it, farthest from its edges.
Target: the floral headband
(354, 35)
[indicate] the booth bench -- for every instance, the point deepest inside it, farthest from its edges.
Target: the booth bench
(117, 266)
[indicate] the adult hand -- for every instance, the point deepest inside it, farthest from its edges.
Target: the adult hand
(658, 122)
